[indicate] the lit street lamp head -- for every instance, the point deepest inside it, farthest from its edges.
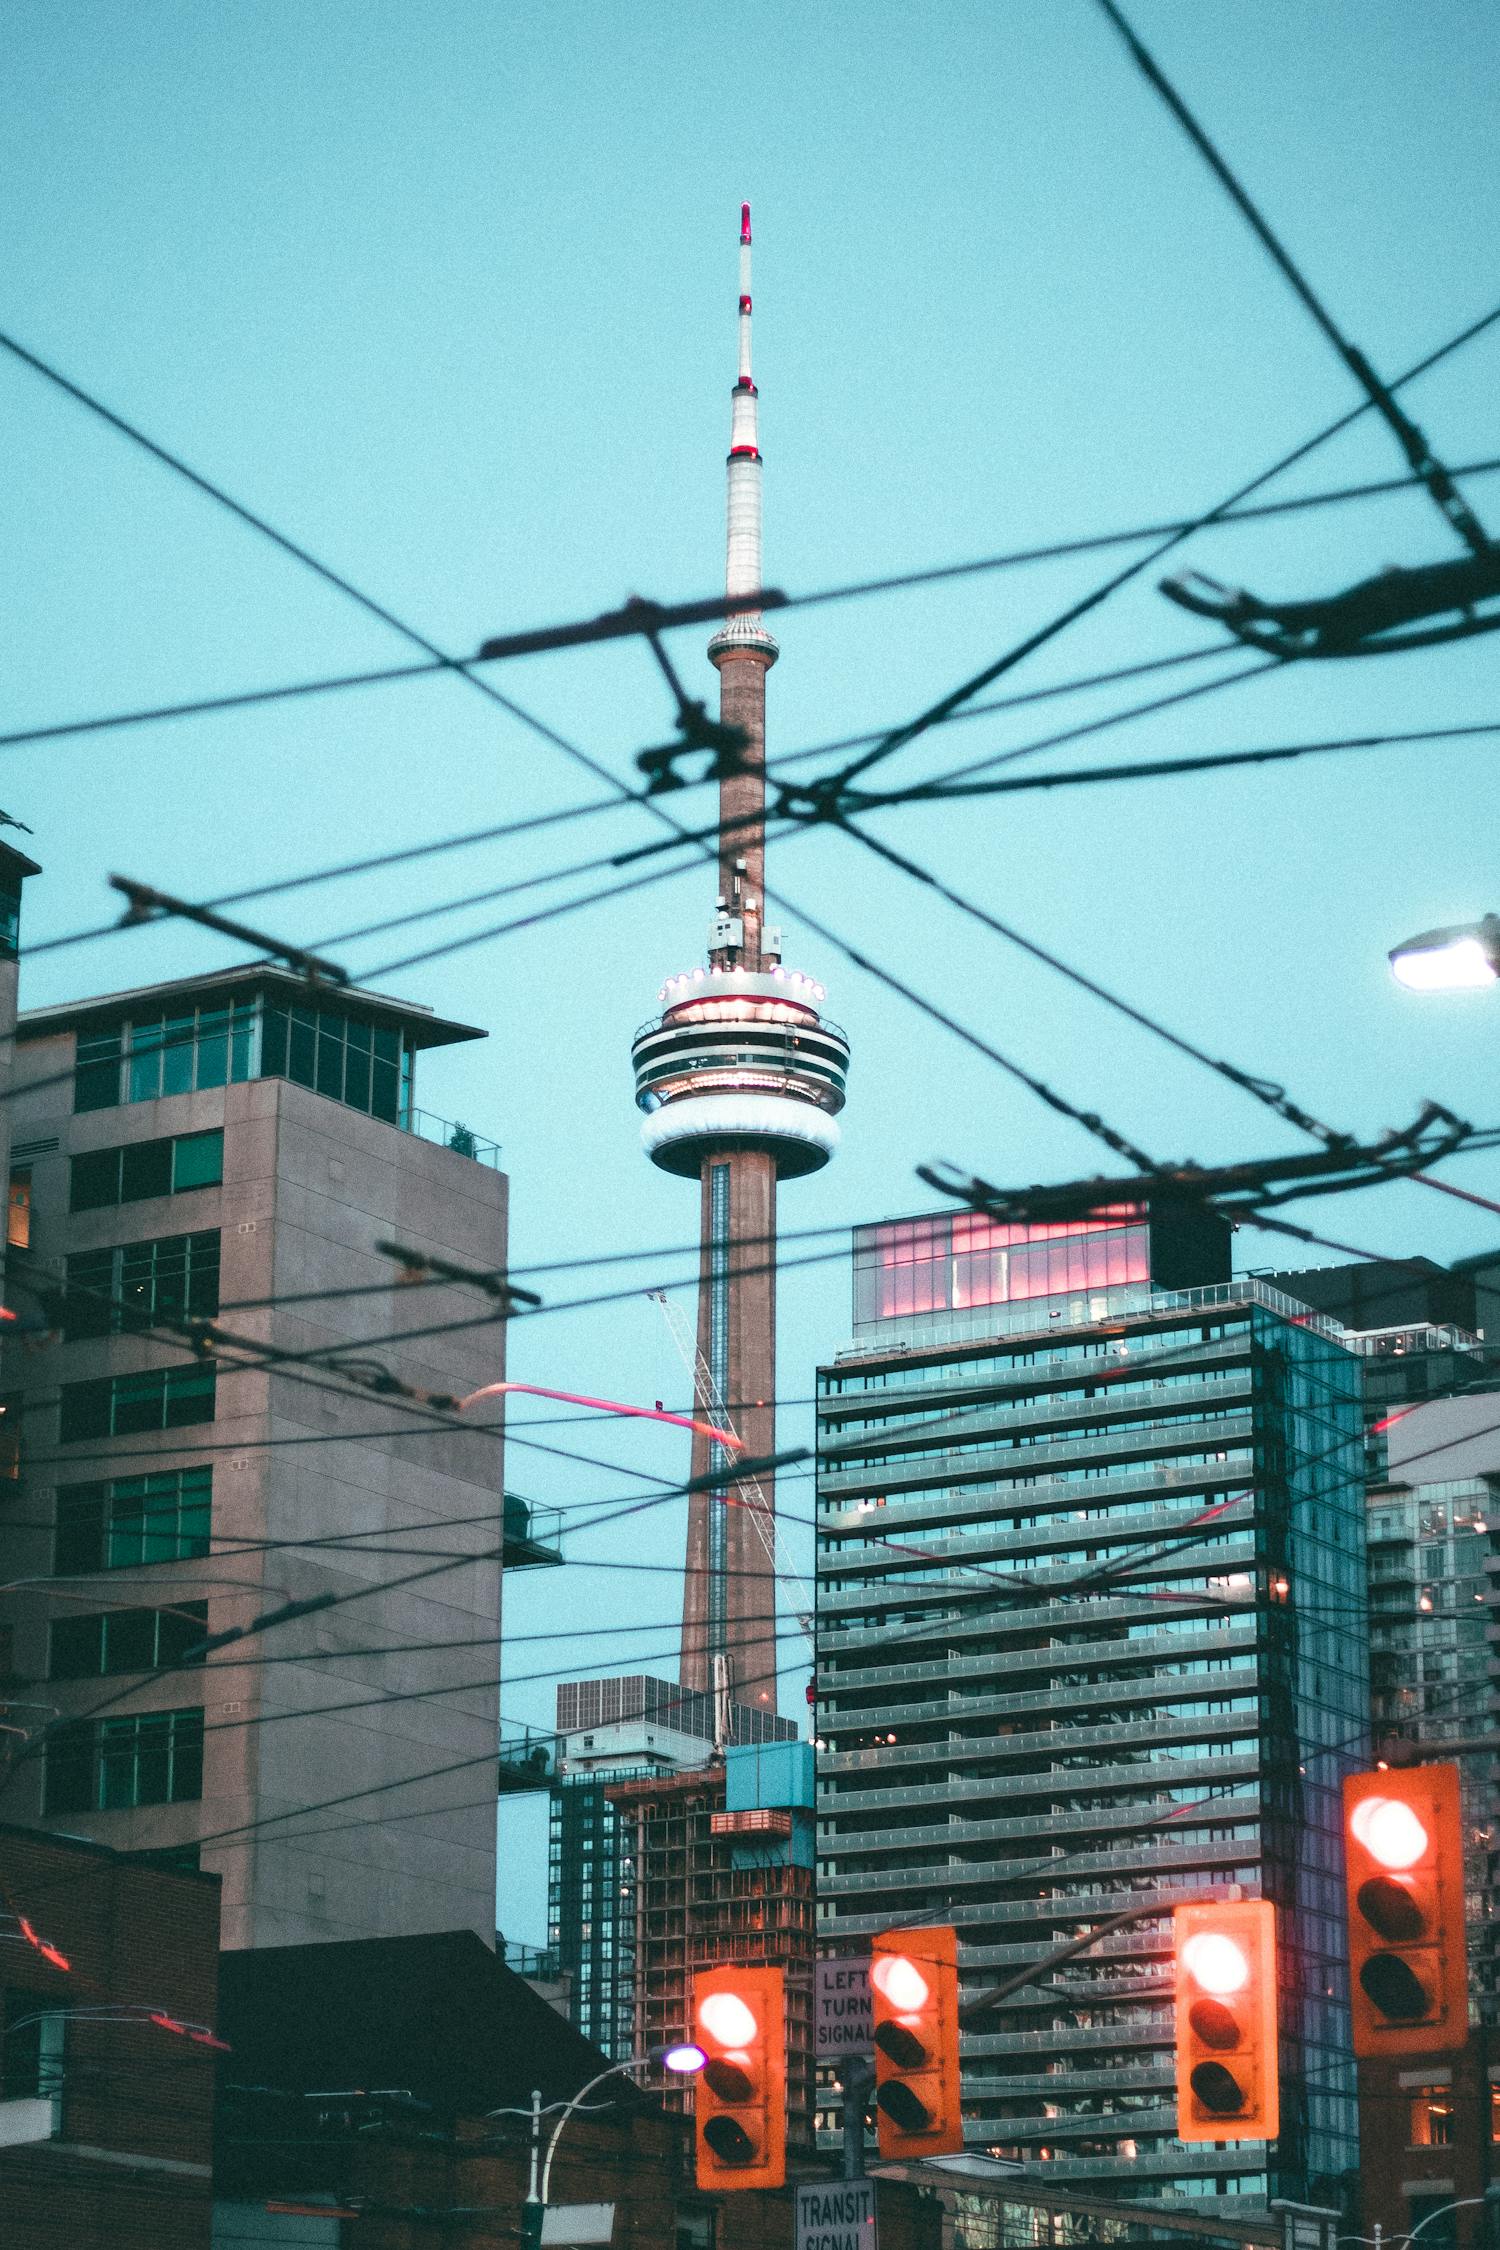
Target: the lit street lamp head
(1452, 960)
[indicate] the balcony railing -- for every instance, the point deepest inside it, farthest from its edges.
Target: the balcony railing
(462, 1139)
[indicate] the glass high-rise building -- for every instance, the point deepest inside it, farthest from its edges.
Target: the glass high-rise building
(1091, 1630)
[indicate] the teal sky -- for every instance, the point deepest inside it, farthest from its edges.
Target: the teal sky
(447, 292)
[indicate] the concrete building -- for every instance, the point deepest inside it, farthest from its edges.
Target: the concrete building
(234, 1147)
(723, 1873)
(741, 1079)
(624, 1728)
(1091, 1626)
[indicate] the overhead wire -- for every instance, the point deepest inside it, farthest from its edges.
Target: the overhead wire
(1056, 550)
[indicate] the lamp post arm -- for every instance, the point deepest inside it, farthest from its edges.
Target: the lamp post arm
(634, 2063)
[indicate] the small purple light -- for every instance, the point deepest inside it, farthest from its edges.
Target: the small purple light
(684, 2058)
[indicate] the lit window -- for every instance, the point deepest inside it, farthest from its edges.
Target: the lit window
(1432, 2117)
(18, 1214)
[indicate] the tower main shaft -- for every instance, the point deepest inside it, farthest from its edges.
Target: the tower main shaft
(741, 1079)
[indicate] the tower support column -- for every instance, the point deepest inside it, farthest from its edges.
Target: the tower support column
(729, 1594)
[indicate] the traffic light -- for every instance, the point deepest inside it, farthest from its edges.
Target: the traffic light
(1225, 1983)
(1404, 1870)
(914, 1996)
(739, 2021)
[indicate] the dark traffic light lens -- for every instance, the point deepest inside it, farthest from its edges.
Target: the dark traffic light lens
(903, 2107)
(1389, 1907)
(729, 2141)
(727, 2080)
(1395, 1988)
(1218, 2089)
(903, 2047)
(1214, 2024)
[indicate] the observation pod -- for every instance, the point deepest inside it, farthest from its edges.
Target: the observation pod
(740, 1059)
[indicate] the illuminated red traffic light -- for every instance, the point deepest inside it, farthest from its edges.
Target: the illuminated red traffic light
(739, 2021)
(1408, 1956)
(914, 2000)
(1225, 1986)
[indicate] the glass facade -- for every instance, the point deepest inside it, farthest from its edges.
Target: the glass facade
(591, 1905)
(960, 1259)
(135, 1284)
(161, 1398)
(103, 1177)
(119, 1522)
(1091, 1626)
(1429, 1595)
(364, 1065)
(152, 1758)
(125, 1640)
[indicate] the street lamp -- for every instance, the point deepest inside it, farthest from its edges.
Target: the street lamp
(684, 2058)
(1456, 959)
(1489, 2199)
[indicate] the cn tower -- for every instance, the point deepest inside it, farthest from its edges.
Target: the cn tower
(741, 1079)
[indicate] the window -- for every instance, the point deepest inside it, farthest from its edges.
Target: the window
(1431, 2117)
(137, 1062)
(10, 1438)
(131, 1174)
(163, 1398)
(153, 1758)
(112, 1526)
(125, 1640)
(18, 1214)
(10, 918)
(31, 2052)
(365, 1066)
(137, 1283)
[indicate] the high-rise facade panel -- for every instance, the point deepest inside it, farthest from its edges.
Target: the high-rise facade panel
(1091, 1632)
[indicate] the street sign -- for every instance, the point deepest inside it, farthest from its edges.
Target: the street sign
(836, 2215)
(573, 2224)
(843, 2023)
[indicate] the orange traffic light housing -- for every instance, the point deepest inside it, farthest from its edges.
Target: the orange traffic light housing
(739, 2021)
(1408, 1950)
(1228, 2086)
(914, 1999)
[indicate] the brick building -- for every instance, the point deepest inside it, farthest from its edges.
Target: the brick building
(123, 2105)
(454, 2045)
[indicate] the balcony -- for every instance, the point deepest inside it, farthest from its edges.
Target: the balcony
(837, 1514)
(955, 1426)
(531, 1534)
(527, 1757)
(911, 1471)
(462, 1139)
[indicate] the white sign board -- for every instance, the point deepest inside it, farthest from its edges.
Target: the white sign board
(836, 2215)
(842, 2022)
(575, 2223)
(25, 2121)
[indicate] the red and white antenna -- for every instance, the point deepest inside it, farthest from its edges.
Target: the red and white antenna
(742, 574)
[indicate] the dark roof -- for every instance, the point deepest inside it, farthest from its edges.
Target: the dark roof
(440, 2017)
(15, 862)
(421, 1026)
